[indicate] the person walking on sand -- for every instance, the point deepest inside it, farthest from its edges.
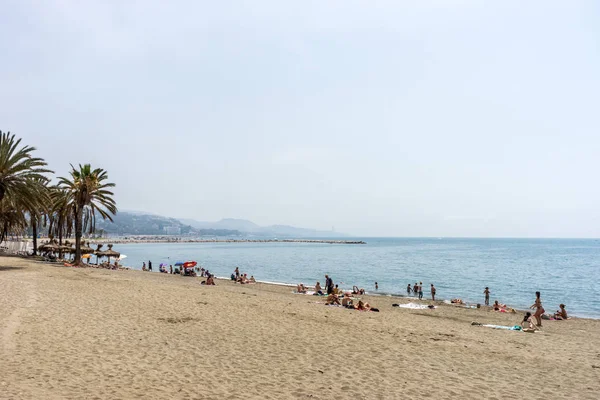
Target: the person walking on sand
(170, 269)
(486, 292)
(420, 290)
(432, 292)
(328, 284)
(539, 309)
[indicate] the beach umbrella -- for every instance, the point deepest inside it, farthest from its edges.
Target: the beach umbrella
(111, 253)
(51, 247)
(189, 264)
(86, 249)
(179, 263)
(98, 252)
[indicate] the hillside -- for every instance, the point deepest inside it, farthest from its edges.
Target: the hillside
(252, 229)
(135, 223)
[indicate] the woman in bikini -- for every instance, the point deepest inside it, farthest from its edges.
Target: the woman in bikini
(539, 310)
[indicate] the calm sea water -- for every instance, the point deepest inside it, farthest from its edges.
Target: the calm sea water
(564, 270)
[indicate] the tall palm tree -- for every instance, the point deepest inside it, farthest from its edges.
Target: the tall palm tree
(18, 168)
(61, 214)
(39, 207)
(88, 193)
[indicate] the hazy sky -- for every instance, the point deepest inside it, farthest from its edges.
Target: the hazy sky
(398, 118)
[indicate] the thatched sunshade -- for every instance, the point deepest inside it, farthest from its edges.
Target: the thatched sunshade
(98, 252)
(86, 249)
(110, 253)
(50, 247)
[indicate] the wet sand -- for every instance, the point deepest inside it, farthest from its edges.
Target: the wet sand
(98, 334)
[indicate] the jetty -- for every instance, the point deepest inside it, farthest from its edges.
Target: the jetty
(163, 239)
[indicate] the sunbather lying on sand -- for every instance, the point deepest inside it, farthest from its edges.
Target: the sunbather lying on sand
(356, 290)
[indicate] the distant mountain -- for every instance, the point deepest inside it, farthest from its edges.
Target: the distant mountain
(137, 223)
(252, 229)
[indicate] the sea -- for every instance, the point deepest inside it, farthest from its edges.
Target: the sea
(563, 270)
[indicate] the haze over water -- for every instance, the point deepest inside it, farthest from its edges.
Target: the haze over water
(564, 270)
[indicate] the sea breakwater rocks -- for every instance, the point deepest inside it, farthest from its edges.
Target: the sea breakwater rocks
(164, 239)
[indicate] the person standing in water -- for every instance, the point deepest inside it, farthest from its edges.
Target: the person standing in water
(539, 309)
(433, 292)
(420, 290)
(408, 290)
(376, 286)
(486, 292)
(416, 289)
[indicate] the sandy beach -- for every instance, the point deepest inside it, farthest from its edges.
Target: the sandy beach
(69, 333)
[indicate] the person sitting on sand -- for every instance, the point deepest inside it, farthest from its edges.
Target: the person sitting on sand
(347, 301)
(562, 313)
(337, 290)
(457, 301)
(527, 323)
(252, 280)
(318, 289)
(301, 288)
(210, 280)
(332, 299)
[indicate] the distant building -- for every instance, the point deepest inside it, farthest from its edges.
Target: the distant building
(172, 230)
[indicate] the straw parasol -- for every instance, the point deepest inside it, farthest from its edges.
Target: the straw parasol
(86, 249)
(110, 253)
(50, 247)
(98, 252)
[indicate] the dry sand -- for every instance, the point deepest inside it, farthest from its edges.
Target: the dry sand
(84, 333)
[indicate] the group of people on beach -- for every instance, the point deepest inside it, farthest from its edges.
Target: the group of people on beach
(336, 296)
(417, 290)
(193, 272)
(238, 277)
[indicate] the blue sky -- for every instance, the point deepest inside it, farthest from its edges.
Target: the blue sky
(428, 118)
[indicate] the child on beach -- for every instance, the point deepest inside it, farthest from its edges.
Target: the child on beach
(486, 292)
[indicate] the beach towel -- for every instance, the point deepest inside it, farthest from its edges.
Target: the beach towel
(507, 328)
(412, 306)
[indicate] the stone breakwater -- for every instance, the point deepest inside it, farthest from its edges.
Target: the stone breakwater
(182, 240)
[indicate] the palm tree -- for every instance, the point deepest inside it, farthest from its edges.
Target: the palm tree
(61, 214)
(40, 207)
(88, 195)
(18, 168)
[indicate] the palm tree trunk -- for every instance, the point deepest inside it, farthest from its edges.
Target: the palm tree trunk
(78, 234)
(35, 233)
